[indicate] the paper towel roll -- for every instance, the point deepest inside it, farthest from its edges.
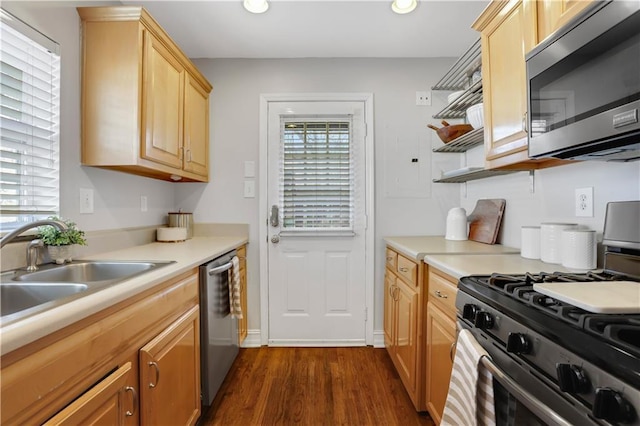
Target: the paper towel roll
(551, 241)
(579, 249)
(171, 234)
(530, 242)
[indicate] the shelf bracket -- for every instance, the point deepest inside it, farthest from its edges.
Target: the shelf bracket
(532, 181)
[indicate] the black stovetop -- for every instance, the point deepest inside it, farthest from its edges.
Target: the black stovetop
(611, 341)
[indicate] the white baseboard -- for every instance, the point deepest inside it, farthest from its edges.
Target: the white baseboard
(253, 340)
(378, 339)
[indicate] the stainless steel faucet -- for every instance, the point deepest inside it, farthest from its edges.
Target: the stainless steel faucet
(34, 245)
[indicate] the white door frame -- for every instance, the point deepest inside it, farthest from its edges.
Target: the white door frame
(367, 99)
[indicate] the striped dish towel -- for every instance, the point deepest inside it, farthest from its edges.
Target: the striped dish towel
(234, 289)
(470, 398)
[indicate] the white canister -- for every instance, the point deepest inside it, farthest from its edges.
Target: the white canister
(579, 249)
(457, 226)
(530, 242)
(551, 241)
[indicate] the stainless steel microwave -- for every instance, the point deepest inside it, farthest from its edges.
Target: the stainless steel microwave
(583, 87)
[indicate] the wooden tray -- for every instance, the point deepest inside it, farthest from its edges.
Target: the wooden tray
(485, 220)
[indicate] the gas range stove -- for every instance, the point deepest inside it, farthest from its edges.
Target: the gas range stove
(582, 365)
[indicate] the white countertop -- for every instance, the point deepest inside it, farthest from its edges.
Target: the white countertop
(420, 246)
(462, 265)
(187, 255)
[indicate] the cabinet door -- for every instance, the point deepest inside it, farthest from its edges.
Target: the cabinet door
(553, 14)
(505, 41)
(104, 404)
(163, 108)
(389, 310)
(196, 128)
(441, 335)
(407, 333)
(170, 374)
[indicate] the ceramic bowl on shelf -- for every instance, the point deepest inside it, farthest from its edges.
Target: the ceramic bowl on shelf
(455, 95)
(475, 115)
(450, 131)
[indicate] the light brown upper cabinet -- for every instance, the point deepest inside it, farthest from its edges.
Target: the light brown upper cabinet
(553, 14)
(509, 30)
(145, 106)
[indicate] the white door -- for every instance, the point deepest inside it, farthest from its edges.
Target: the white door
(317, 223)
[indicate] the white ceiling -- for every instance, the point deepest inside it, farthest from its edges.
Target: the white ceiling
(317, 28)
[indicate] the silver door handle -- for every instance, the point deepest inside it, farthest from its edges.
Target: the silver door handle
(273, 217)
(155, 365)
(135, 400)
(275, 239)
(222, 268)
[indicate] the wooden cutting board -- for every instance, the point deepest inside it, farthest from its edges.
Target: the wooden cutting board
(485, 220)
(607, 297)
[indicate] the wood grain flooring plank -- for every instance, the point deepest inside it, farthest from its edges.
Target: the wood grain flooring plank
(312, 386)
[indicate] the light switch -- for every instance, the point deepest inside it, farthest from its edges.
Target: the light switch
(249, 169)
(86, 200)
(249, 189)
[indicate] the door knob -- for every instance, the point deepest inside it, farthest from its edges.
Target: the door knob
(275, 239)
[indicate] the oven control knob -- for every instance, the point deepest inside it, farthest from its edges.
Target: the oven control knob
(609, 405)
(517, 343)
(483, 320)
(469, 312)
(572, 378)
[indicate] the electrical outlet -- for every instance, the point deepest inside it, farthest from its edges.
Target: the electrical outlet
(143, 203)
(423, 98)
(584, 202)
(86, 200)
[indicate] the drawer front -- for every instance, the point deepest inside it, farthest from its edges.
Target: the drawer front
(392, 259)
(408, 270)
(442, 292)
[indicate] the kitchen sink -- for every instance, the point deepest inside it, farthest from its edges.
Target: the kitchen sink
(87, 272)
(16, 297)
(25, 293)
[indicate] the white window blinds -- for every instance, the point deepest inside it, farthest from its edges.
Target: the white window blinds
(316, 176)
(29, 124)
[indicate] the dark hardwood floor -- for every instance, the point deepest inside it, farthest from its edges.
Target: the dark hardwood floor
(313, 386)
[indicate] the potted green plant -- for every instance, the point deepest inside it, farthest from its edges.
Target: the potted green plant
(60, 243)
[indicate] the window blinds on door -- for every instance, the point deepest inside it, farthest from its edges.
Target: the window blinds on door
(316, 176)
(29, 123)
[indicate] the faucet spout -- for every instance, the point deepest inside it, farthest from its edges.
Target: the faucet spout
(16, 232)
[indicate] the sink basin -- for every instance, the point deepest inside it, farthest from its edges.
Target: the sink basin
(26, 293)
(16, 297)
(87, 272)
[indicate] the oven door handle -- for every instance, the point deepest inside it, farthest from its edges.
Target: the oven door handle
(531, 402)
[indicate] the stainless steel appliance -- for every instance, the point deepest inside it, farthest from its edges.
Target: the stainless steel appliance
(584, 87)
(554, 363)
(218, 330)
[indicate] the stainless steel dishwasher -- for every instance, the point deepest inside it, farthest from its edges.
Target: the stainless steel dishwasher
(218, 330)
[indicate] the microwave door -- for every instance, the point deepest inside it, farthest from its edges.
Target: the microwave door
(584, 87)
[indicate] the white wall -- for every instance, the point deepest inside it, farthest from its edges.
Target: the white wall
(400, 135)
(117, 195)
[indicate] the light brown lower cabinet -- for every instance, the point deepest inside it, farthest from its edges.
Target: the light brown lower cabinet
(98, 369)
(105, 403)
(242, 322)
(441, 336)
(170, 374)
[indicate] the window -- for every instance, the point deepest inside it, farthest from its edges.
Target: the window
(316, 177)
(29, 124)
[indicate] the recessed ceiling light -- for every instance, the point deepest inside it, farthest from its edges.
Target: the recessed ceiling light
(256, 6)
(403, 6)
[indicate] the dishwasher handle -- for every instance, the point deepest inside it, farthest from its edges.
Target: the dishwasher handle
(220, 269)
